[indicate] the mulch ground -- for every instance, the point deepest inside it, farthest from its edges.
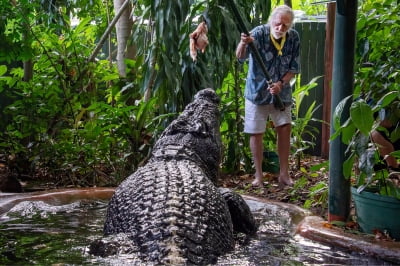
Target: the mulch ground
(309, 191)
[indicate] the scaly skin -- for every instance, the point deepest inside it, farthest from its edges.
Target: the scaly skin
(170, 209)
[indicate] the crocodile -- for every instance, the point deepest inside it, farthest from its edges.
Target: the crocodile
(170, 210)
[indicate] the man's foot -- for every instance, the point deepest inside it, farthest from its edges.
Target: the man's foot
(286, 181)
(257, 182)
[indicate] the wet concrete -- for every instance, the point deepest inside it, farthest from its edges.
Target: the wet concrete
(303, 222)
(315, 228)
(54, 196)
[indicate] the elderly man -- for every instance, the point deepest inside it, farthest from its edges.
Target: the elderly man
(279, 47)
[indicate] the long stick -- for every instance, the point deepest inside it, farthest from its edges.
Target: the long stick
(242, 27)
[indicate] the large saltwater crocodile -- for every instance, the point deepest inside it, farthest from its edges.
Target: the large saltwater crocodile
(170, 210)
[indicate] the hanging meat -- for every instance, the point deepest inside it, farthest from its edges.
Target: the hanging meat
(198, 40)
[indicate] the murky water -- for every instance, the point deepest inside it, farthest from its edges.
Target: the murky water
(34, 232)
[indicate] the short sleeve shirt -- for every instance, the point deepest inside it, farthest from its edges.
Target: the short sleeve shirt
(256, 83)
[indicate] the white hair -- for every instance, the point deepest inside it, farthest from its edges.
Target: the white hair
(282, 10)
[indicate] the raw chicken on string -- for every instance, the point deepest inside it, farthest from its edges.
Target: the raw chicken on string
(198, 40)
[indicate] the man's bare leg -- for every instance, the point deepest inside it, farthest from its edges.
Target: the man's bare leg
(385, 147)
(256, 147)
(283, 134)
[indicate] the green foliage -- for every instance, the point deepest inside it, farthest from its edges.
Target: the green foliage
(169, 72)
(17, 20)
(76, 125)
(80, 122)
(14, 31)
(300, 124)
(84, 124)
(236, 155)
(300, 183)
(318, 195)
(376, 88)
(310, 7)
(355, 132)
(362, 116)
(378, 43)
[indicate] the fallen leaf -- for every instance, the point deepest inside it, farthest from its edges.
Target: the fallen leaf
(381, 235)
(327, 225)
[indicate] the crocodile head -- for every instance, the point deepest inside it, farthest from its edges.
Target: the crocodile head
(194, 135)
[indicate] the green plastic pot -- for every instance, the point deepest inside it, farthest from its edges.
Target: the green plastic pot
(374, 211)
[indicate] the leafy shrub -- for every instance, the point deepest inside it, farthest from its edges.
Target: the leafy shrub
(376, 88)
(72, 121)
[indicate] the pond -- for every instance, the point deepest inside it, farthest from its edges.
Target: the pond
(59, 232)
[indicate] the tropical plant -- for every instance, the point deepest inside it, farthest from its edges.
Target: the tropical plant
(355, 132)
(301, 128)
(318, 194)
(76, 116)
(169, 72)
(77, 127)
(235, 156)
(378, 40)
(377, 79)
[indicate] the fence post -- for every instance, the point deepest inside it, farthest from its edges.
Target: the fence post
(342, 86)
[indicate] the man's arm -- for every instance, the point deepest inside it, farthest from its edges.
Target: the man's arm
(241, 49)
(287, 78)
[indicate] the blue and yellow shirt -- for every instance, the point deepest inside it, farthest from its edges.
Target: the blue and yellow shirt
(277, 66)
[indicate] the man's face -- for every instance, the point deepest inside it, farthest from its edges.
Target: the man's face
(280, 25)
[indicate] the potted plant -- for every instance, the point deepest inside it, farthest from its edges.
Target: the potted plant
(375, 193)
(375, 190)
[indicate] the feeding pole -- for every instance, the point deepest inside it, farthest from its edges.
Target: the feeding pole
(342, 86)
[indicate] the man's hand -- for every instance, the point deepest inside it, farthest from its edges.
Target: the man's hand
(246, 39)
(276, 88)
(241, 48)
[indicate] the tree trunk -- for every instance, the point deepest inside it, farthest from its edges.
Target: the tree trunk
(124, 28)
(103, 39)
(28, 70)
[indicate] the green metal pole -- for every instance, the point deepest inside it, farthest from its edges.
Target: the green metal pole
(342, 86)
